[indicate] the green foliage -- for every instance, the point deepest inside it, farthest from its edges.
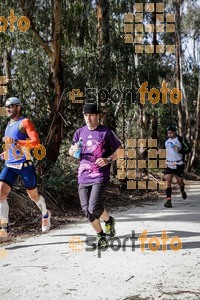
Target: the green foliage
(84, 65)
(62, 175)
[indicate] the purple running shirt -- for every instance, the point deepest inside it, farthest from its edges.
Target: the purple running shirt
(97, 143)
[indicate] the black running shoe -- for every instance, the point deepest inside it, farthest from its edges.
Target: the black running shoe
(184, 195)
(101, 241)
(168, 204)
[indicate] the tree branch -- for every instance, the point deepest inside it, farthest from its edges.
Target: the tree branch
(35, 31)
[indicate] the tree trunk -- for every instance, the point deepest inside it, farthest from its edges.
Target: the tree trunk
(197, 130)
(99, 18)
(154, 134)
(55, 134)
(178, 63)
(141, 124)
(7, 67)
(153, 20)
(1, 96)
(56, 82)
(102, 10)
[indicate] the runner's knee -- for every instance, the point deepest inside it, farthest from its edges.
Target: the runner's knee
(96, 211)
(3, 196)
(91, 213)
(89, 216)
(4, 192)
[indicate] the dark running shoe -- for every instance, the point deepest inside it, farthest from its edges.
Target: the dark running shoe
(101, 241)
(184, 195)
(168, 204)
(110, 228)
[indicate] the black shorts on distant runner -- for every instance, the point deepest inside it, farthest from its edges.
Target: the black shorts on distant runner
(179, 171)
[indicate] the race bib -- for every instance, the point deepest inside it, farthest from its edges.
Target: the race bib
(15, 166)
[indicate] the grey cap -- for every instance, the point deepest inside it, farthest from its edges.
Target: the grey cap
(13, 101)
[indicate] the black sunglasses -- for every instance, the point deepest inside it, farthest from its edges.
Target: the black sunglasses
(11, 105)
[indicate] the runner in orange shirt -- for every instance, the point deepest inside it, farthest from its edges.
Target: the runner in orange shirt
(18, 163)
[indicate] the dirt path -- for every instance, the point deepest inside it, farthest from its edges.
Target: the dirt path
(62, 265)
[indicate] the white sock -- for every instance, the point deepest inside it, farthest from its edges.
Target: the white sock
(42, 205)
(4, 211)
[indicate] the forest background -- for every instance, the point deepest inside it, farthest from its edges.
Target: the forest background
(80, 45)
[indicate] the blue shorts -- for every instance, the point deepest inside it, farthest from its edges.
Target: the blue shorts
(27, 173)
